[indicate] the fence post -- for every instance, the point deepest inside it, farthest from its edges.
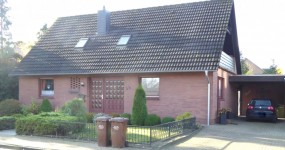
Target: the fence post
(168, 130)
(150, 130)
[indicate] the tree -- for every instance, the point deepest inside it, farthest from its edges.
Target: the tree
(9, 86)
(4, 26)
(42, 31)
(139, 111)
(273, 69)
(244, 66)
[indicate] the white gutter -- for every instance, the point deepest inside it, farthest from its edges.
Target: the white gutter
(209, 86)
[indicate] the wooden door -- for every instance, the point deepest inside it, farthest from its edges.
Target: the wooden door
(107, 95)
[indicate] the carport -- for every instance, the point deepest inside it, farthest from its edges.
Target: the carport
(259, 86)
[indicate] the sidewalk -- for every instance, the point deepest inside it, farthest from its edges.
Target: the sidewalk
(9, 138)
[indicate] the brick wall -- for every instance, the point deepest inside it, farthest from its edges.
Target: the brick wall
(179, 93)
(230, 92)
(29, 90)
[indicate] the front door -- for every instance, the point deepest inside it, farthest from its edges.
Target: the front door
(107, 95)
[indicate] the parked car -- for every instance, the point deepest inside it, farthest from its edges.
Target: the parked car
(261, 109)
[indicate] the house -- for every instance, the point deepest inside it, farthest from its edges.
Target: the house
(253, 69)
(182, 54)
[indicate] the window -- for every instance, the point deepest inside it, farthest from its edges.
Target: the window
(124, 40)
(151, 86)
(47, 87)
(81, 43)
(220, 88)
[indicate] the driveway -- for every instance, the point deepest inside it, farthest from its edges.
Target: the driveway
(240, 135)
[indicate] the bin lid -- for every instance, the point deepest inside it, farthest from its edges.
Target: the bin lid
(103, 118)
(119, 119)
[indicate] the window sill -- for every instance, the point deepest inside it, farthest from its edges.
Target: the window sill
(48, 97)
(152, 98)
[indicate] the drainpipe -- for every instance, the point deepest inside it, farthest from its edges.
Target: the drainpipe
(209, 85)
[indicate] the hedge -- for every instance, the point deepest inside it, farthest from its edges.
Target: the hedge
(167, 119)
(48, 124)
(7, 122)
(152, 119)
(9, 107)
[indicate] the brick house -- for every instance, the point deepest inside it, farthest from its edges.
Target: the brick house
(182, 54)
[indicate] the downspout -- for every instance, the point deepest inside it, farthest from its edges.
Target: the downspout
(209, 86)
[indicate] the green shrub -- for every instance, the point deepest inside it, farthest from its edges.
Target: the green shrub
(127, 115)
(152, 119)
(167, 119)
(9, 107)
(139, 110)
(75, 107)
(89, 117)
(33, 108)
(46, 106)
(185, 115)
(7, 122)
(48, 123)
(113, 115)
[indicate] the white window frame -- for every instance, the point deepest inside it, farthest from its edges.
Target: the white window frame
(46, 90)
(147, 86)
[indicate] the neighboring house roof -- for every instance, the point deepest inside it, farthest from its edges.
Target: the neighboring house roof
(253, 68)
(175, 38)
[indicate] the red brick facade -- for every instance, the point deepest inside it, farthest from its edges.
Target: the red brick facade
(178, 93)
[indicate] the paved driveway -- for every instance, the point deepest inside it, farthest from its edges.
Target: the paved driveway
(241, 135)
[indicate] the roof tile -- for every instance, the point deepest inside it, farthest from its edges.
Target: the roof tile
(182, 37)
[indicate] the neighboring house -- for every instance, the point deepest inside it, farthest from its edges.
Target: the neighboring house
(253, 69)
(182, 54)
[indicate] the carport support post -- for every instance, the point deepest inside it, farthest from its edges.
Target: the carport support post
(209, 88)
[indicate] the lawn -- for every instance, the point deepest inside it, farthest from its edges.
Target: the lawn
(135, 134)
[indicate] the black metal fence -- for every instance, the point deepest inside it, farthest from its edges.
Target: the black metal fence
(151, 134)
(74, 130)
(145, 135)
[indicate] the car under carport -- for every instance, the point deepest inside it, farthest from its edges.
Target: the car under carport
(260, 86)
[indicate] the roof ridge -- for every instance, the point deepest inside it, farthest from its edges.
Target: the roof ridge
(151, 7)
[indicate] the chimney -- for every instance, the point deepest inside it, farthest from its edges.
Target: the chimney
(103, 21)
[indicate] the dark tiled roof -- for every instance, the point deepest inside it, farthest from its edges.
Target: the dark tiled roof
(176, 38)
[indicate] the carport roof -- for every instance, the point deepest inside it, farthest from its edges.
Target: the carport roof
(256, 78)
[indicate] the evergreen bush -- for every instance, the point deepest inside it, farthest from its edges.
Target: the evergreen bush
(167, 119)
(139, 110)
(152, 119)
(46, 106)
(75, 107)
(9, 107)
(185, 115)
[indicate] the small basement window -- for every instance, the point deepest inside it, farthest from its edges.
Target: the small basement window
(124, 40)
(81, 43)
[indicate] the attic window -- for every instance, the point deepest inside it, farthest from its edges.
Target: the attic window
(124, 40)
(81, 43)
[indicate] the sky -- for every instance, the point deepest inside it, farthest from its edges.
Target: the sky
(260, 23)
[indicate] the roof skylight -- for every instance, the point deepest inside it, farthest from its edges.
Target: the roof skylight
(124, 40)
(81, 43)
